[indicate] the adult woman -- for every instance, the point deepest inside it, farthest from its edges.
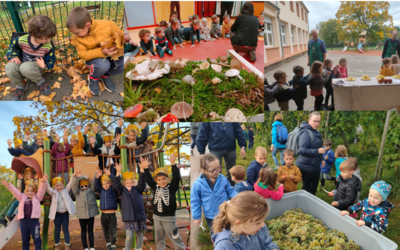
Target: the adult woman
(310, 153)
(277, 146)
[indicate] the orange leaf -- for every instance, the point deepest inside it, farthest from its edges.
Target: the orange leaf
(56, 85)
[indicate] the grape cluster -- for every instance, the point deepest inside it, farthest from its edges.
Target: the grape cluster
(296, 230)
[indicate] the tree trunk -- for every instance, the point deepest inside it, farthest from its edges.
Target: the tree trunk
(346, 144)
(326, 125)
(379, 166)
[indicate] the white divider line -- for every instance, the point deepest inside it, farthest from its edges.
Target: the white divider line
(245, 63)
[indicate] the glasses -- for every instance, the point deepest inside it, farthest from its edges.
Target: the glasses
(318, 121)
(84, 186)
(216, 170)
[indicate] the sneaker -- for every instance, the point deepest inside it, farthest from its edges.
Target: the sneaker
(109, 84)
(45, 89)
(9, 218)
(67, 247)
(108, 246)
(94, 86)
(169, 52)
(252, 54)
(113, 247)
(161, 53)
(19, 93)
(3, 222)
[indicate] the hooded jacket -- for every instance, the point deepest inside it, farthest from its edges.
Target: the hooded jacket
(301, 92)
(329, 159)
(289, 184)
(274, 133)
(253, 172)
(58, 155)
(269, 91)
(309, 159)
(86, 204)
(268, 193)
(346, 191)
(317, 82)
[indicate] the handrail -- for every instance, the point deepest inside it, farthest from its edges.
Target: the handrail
(162, 144)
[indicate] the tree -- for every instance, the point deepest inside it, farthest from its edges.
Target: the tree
(328, 31)
(355, 17)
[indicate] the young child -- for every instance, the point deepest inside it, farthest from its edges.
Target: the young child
(253, 170)
(356, 173)
(17, 150)
(173, 34)
(386, 68)
(347, 187)
(88, 35)
(30, 55)
(341, 156)
(284, 95)
(108, 148)
(173, 15)
(240, 224)
(329, 159)
(29, 211)
(77, 142)
(261, 25)
(146, 43)
(299, 83)
(395, 64)
(205, 30)
(209, 191)
(188, 33)
(269, 92)
(163, 25)
(226, 26)
(133, 214)
(216, 30)
(266, 185)
(317, 82)
(61, 208)
(328, 63)
(86, 207)
(164, 202)
(108, 206)
(289, 174)
(340, 70)
(38, 143)
(58, 151)
(237, 174)
(162, 43)
(131, 48)
(276, 146)
(375, 209)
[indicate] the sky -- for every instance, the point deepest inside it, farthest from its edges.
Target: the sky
(325, 10)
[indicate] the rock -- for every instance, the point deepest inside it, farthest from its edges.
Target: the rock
(236, 64)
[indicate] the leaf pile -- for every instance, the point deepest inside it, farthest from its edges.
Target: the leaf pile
(115, 40)
(80, 86)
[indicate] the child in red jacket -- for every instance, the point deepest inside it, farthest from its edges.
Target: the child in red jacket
(266, 185)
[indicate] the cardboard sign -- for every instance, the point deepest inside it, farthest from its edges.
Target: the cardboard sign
(87, 166)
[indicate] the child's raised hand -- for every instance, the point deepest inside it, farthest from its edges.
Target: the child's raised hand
(120, 122)
(9, 142)
(45, 178)
(144, 163)
(95, 128)
(85, 130)
(118, 167)
(27, 136)
(77, 174)
(107, 171)
(172, 159)
(343, 213)
(4, 183)
(20, 176)
(40, 62)
(143, 125)
(99, 173)
(16, 60)
(78, 128)
(65, 138)
(360, 223)
(57, 138)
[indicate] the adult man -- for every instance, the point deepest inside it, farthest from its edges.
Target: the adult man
(392, 45)
(316, 48)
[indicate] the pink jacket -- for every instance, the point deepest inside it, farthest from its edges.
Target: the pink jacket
(21, 197)
(337, 73)
(267, 193)
(57, 155)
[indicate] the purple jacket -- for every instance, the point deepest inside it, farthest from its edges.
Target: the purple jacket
(58, 155)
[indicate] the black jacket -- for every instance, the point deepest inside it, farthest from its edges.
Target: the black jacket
(346, 191)
(246, 30)
(309, 159)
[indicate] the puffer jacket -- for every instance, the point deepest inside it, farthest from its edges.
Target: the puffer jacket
(86, 204)
(301, 92)
(309, 159)
(109, 197)
(346, 191)
(58, 155)
(253, 172)
(317, 82)
(274, 133)
(269, 91)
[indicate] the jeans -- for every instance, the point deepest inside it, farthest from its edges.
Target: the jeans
(134, 53)
(105, 67)
(61, 220)
(230, 161)
(274, 152)
(13, 209)
(209, 223)
(193, 141)
(251, 143)
(30, 227)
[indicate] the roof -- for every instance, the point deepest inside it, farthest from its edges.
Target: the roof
(271, 4)
(305, 6)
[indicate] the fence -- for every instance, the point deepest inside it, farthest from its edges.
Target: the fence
(340, 46)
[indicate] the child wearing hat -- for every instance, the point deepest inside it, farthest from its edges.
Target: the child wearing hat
(375, 209)
(77, 142)
(17, 150)
(61, 208)
(107, 147)
(59, 151)
(38, 143)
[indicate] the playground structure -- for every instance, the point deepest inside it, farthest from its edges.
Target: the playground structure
(362, 41)
(42, 163)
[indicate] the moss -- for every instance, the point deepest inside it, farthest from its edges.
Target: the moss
(148, 116)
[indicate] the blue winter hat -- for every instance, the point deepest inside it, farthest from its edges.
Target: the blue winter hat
(383, 188)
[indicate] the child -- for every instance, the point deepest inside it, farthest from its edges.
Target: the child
(395, 64)
(146, 43)
(29, 211)
(215, 27)
(210, 190)
(133, 214)
(317, 82)
(329, 159)
(356, 173)
(205, 30)
(108, 148)
(375, 209)
(173, 15)
(188, 33)
(173, 35)
(17, 150)
(266, 185)
(60, 167)
(164, 203)
(340, 70)
(255, 166)
(162, 43)
(269, 92)
(237, 174)
(387, 68)
(251, 137)
(299, 83)
(61, 208)
(328, 63)
(226, 26)
(276, 146)
(131, 48)
(261, 25)
(163, 25)
(30, 55)
(347, 187)
(240, 224)
(39, 143)
(284, 95)
(341, 156)
(289, 174)
(86, 207)
(77, 142)
(88, 35)
(108, 206)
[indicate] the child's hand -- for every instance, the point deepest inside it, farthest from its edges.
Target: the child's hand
(77, 174)
(343, 213)
(135, 44)
(272, 148)
(99, 173)
(107, 171)
(197, 222)
(296, 86)
(27, 135)
(36, 176)
(120, 122)
(335, 204)
(118, 168)
(181, 166)
(40, 62)
(291, 177)
(57, 138)
(109, 52)
(46, 132)
(78, 128)
(323, 164)
(143, 164)
(65, 138)
(20, 176)
(45, 178)
(328, 72)
(5, 183)
(164, 48)
(326, 157)
(16, 60)
(331, 194)
(360, 223)
(95, 127)
(172, 159)
(85, 130)
(143, 125)
(9, 142)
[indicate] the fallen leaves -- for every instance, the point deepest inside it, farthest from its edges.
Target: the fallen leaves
(57, 70)
(114, 40)
(102, 86)
(5, 80)
(33, 94)
(48, 98)
(122, 94)
(56, 85)
(66, 98)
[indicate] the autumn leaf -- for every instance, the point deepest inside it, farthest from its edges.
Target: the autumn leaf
(56, 85)
(5, 80)
(57, 70)
(122, 94)
(35, 99)
(157, 90)
(48, 98)
(74, 95)
(60, 79)
(33, 94)
(101, 85)
(66, 98)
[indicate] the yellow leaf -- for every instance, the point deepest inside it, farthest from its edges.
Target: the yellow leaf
(56, 85)
(157, 90)
(60, 79)
(48, 98)
(122, 94)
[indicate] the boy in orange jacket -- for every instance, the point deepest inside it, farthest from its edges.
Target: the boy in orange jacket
(289, 174)
(88, 35)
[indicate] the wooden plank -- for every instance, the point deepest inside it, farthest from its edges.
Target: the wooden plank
(245, 63)
(87, 165)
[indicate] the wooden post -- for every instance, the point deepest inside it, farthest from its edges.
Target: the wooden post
(46, 170)
(379, 167)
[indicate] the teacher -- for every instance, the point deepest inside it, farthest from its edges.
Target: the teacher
(316, 49)
(392, 45)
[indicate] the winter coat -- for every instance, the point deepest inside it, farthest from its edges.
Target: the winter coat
(87, 148)
(283, 95)
(58, 155)
(78, 149)
(328, 161)
(225, 240)
(270, 91)
(131, 201)
(253, 172)
(317, 82)
(339, 161)
(21, 197)
(86, 204)
(386, 71)
(268, 193)
(243, 186)
(309, 159)
(109, 197)
(289, 184)
(194, 127)
(274, 133)
(251, 134)
(375, 217)
(245, 29)
(301, 92)
(34, 147)
(346, 191)
(69, 203)
(219, 136)
(16, 152)
(203, 196)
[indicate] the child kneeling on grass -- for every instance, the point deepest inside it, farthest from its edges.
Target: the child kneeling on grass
(237, 174)
(240, 224)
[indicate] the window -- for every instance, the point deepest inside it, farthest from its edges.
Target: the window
(302, 16)
(291, 6)
(269, 38)
(298, 36)
(297, 6)
(283, 34)
(283, 2)
(306, 17)
(292, 30)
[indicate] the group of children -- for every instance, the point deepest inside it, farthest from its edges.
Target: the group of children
(107, 182)
(390, 66)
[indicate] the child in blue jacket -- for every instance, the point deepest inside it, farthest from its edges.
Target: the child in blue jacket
(329, 159)
(253, 171)
(17, 150)
(341, 156)
(210, 190)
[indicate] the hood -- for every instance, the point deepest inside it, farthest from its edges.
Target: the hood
(305, 125)
(386, 206)
(277, 123)
(224, 238)
(256, 164)
(354, 182)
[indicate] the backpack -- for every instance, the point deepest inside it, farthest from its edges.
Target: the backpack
(293, 140)
(282, 133)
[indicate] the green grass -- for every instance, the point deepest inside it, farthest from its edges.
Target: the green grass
(355, 48)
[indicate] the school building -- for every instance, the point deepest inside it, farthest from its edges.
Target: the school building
(286, 30)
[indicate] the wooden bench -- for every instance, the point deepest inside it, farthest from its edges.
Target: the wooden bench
(59, 3)
(25, 14)
(93, 8)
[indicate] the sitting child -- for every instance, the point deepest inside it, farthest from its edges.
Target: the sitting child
(161, 43)
(237, 175)
(131, 48)
(188, 33)
(340, 70)
(240, 224)
(61, 208)
(163, 25)
(255, 166)
(59, 150)
(375, 209)
(216, 30)
(289, 174)
(173, 34)
(146, 43)
(30, 55)
(285, 94)
(341, 156)
(386, 68)
(164, 203)
(395, 64)
(266, 185)
(328, 63)
(226, 26)
(317, 82)
(299, 83)
(261, 25)
(269, 92)
(192, 18)
(329, 159)
(17, 150)
(205, 30)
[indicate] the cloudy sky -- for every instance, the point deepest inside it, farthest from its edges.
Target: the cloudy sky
(326, 10)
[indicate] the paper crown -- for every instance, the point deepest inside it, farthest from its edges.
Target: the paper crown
(162, 170)
(17, 143)
(129, 128)
(57, 180)
(30, 182)
(74, 137)
(28, 170)
(107, 138)
(129, 176)
(40, 135)
(91, 135)
(105, 177)
(83, 180)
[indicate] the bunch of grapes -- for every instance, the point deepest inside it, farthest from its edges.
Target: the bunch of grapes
(296, 230)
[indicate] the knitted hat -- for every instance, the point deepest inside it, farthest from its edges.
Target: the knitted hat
(163, 170)
(17, 143)
(57, 180)
(129, 176)
(105, 177)
(107, 138)
(383, 188)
